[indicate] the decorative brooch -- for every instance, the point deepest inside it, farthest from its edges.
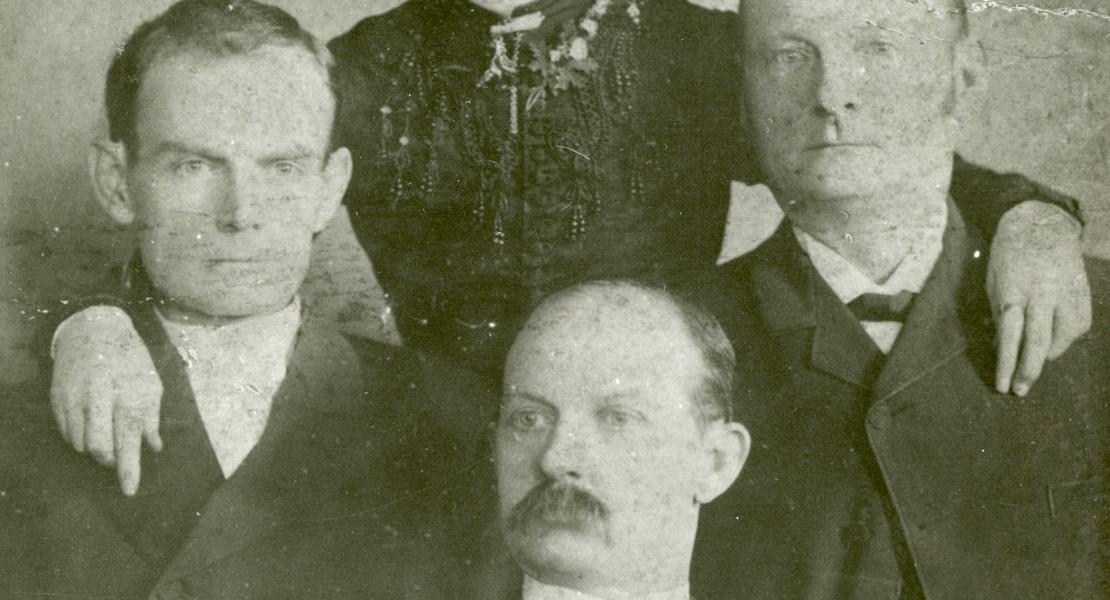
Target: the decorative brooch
(565, 66)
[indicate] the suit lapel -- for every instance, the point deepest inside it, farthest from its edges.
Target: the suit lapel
(933, 333)
(799, 307)
(176, 481)
(310, 449)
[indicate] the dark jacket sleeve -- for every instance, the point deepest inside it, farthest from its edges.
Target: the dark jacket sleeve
(984, 196)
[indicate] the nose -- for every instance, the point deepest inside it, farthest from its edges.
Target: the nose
(241, 204)
(838, 90)
(564, 457)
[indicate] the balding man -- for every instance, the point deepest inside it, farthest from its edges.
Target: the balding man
(614, 429)
(887, 465)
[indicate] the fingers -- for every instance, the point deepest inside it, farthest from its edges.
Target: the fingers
(1072, 318)
(75, 427)
(151, 435)
(128, 441)
(1064, 333)
(1034, 352)
(1011, 322)
(58, 404)
(98, 430)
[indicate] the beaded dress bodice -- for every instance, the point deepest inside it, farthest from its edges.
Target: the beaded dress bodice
(493, 169)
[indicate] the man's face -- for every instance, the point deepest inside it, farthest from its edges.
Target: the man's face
(598, 445)
(228, 179)
(849, 98)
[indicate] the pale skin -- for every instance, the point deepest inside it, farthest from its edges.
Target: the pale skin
(225, 192)
(1036, 282)
(856, 125)
(599, 394)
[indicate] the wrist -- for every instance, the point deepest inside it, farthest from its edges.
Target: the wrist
(89, 320)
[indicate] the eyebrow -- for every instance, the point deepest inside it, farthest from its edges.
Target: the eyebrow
(295, 152)
(526, 396)
(620, 395)
(181, 148)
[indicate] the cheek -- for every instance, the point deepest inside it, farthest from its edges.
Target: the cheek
(654, 472)
(295, 203)
(176, 236)
(780, 115)
(517, 469)
(910, 107)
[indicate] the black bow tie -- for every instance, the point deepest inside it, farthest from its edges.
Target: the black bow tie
(882, 307)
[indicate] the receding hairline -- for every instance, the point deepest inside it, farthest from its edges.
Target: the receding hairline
(716, 358)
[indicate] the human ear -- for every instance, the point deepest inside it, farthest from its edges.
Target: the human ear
(107, 164)
(337, 175)
(727, 445)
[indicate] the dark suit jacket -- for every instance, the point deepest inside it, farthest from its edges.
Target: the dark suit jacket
(904, 477)
(468, 223)
(344, 495)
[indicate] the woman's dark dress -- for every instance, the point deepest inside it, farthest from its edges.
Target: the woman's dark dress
(471, 214)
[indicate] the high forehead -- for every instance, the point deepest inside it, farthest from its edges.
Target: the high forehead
(198, 92)
(595, 336)
(909, 17)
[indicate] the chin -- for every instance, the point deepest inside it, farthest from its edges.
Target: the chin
(561, 553)
(233, 302)
(820, 183)
(227, 291)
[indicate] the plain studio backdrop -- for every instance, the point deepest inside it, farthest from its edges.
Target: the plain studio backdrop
(1048, 116)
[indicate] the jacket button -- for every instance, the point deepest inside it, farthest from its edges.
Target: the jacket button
(879, 419)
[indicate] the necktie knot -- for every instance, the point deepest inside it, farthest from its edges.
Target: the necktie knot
(882, 307)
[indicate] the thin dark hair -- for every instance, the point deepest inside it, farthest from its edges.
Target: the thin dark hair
(211, 27)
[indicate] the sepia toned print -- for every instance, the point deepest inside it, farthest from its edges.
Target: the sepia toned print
(675, 301)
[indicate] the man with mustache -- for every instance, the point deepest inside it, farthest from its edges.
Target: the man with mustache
(614, 429)
(504, 149)
(888, 465)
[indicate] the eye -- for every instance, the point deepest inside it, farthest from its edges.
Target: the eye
(616, 418)
(191, 167)
(286, 168)
(879, 48)
(528, 420)
(790, 56)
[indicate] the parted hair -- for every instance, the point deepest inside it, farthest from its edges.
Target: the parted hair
(210, 27)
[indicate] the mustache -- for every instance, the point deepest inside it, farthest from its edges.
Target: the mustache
(557, 503)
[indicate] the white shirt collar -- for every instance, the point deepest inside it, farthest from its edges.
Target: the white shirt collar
(535, 590)
(234, 371)
(260, 332)
(848, 282)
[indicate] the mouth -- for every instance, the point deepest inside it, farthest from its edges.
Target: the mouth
(237, 261)
(837, 145)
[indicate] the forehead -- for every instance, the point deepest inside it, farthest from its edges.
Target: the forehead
(907, 17)
(271, 93)
(593, 347)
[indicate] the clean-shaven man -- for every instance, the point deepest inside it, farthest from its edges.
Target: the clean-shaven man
(296, 458)
(887, 465)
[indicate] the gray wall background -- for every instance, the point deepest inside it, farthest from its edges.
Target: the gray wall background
(1048, 116)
